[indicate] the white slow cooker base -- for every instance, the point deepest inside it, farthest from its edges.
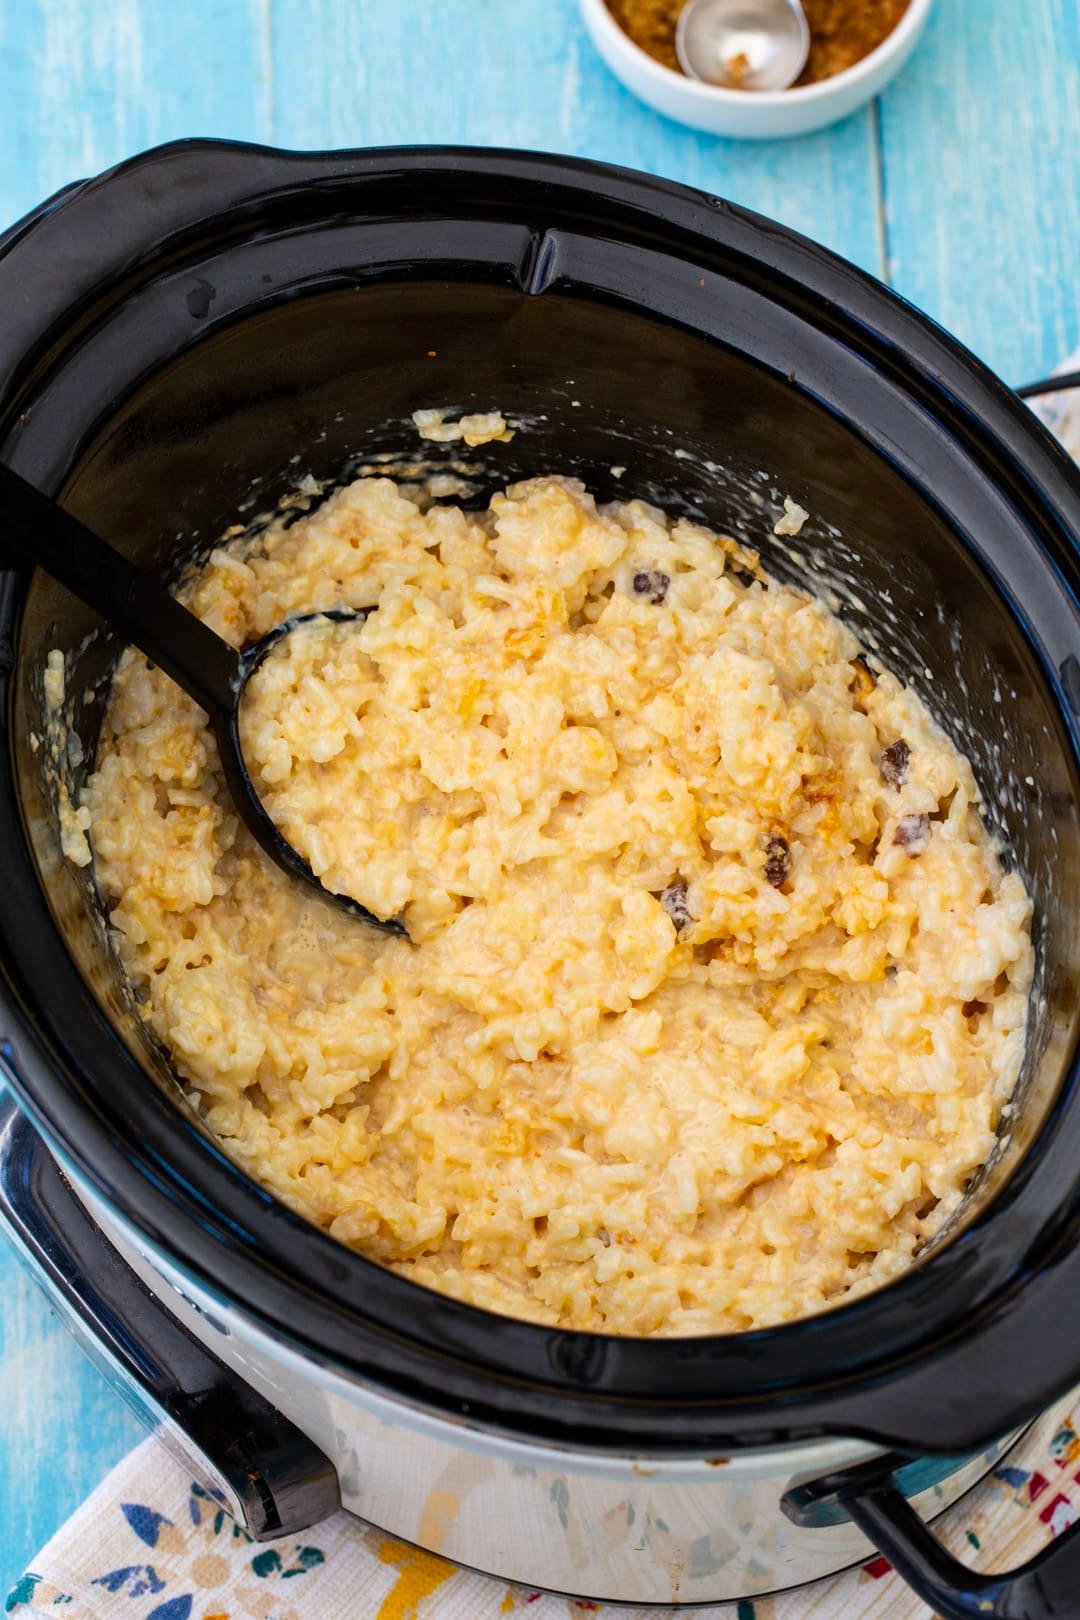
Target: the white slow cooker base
(641, 1530)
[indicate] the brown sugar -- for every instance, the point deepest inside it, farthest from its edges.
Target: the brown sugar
(650, 24)
(842, 32)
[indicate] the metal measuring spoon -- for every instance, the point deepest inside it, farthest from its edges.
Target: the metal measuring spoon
(743, 44)
(41, 534)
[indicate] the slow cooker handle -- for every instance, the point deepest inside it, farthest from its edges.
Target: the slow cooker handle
(245, 1455)
(1050, 385)
(1045, 1588)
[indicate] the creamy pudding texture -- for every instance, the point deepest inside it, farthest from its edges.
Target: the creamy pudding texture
(715, 986)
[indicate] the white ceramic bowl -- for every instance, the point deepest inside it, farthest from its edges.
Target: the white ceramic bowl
(752, 115)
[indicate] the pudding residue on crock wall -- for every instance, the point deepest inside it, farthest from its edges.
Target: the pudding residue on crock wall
(715, 985)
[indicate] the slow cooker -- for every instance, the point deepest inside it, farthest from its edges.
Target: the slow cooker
(182, 339)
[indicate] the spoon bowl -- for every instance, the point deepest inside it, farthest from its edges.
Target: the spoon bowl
(245, 795)
(40, 534)
(743, 44)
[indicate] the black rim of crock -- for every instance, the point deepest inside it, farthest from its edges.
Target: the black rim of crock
(898, 1365)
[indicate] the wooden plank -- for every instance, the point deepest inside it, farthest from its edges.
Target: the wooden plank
(523, 73)
(61, 1426)
(82, 86)
(980, 155)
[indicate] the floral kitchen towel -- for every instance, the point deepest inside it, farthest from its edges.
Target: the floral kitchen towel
(1061, 412)
(151, 1545)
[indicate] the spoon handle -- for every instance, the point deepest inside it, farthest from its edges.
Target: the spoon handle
(38, 532)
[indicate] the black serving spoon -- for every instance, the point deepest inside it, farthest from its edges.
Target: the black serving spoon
(41, 534)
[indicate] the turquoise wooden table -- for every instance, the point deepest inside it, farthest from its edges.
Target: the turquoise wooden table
(961, 187)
